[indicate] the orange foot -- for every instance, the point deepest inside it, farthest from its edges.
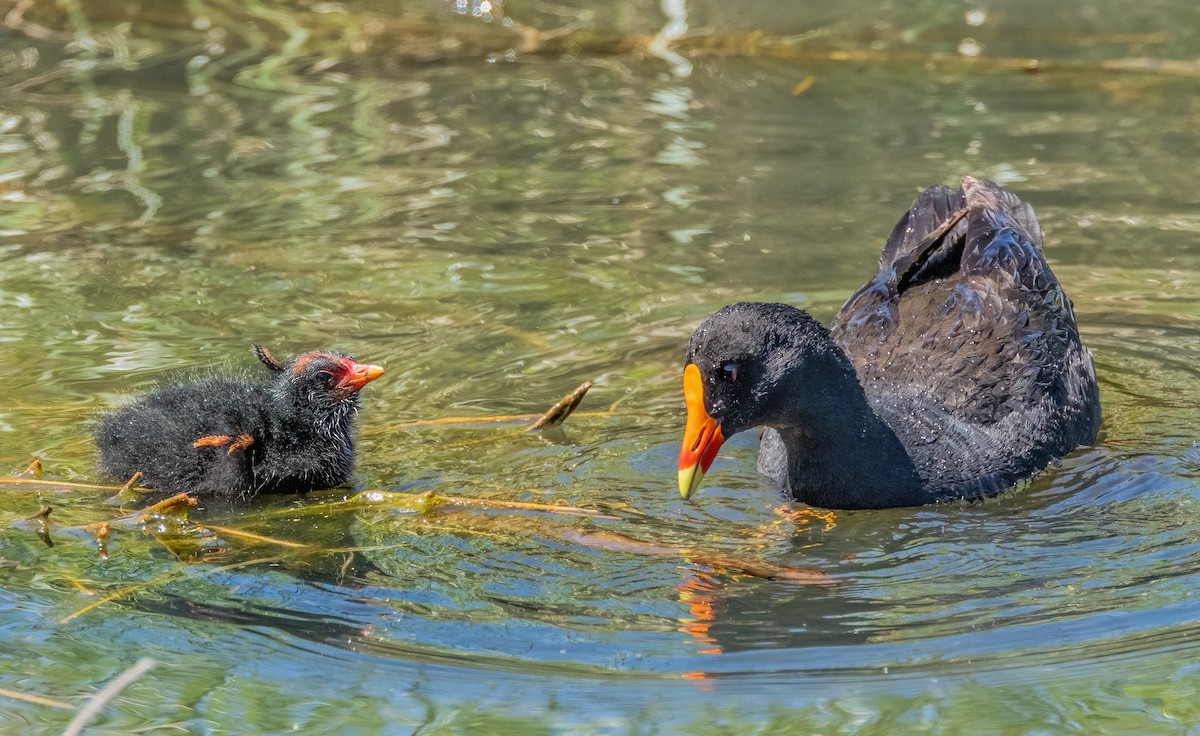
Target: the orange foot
(240, 442)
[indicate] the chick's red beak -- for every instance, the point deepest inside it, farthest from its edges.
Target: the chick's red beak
(358, 375)
(701, 437)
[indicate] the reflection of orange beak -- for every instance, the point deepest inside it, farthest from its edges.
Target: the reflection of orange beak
(359, 375)
(701, 438)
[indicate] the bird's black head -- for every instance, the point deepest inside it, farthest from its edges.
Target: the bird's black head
(748, 365)
(319, 380)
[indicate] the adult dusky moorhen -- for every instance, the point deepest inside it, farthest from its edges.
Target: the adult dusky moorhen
(952, 374)
(289, 432)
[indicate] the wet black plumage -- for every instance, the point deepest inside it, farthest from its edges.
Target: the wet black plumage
(955, 372)
(290, 431)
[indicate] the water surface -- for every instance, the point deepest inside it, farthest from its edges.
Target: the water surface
(495, 228)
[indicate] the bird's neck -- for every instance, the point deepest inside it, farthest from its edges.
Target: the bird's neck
(840, 454)
(301, 423)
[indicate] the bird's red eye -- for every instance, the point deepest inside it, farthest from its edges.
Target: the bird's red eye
(729, 371)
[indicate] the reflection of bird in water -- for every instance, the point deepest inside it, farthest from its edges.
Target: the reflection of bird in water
(697, 594)
(954, 373)
(707, 592)
(288, 433)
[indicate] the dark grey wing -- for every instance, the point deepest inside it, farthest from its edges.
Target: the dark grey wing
(965, 341)
(925, 244)
(907, 242)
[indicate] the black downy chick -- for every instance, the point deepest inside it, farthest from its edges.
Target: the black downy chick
(289, 433)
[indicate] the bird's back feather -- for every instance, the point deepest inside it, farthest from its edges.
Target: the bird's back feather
(966, 344)
(156, 436)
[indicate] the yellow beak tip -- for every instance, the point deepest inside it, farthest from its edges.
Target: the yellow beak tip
(689, 480)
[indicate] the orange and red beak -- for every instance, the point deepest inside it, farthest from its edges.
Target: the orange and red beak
(701, 437)
(358, 375)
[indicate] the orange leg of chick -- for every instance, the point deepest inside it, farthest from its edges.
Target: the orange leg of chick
(241, 442)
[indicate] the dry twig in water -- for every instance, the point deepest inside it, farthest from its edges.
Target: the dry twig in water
(110, 691)
(33, 470)
(561, 410)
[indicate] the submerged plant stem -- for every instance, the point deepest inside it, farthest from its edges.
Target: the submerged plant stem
(36, 699)
(486, 420)
(253, 537)
(121, 593)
